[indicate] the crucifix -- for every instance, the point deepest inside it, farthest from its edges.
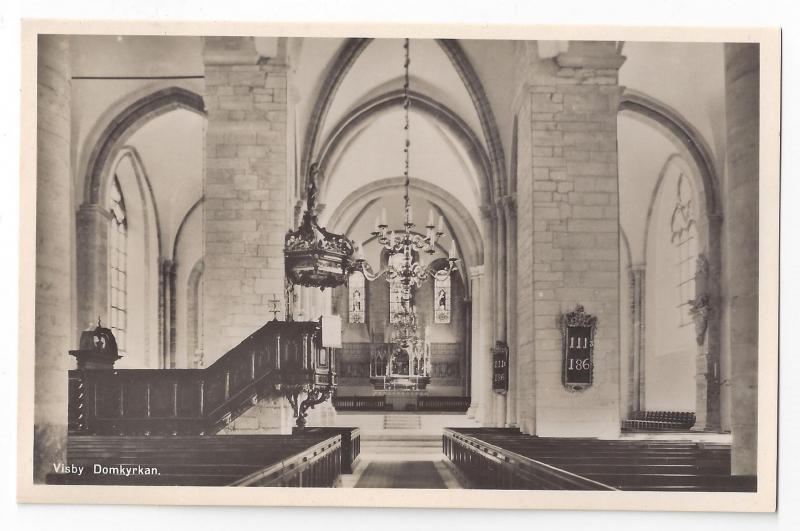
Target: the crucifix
(275, 305)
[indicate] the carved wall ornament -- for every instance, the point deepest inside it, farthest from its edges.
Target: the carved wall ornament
(700, 309)
(578, 334)
(702, 268)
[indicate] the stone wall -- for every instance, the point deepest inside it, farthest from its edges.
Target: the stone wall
(245, 210)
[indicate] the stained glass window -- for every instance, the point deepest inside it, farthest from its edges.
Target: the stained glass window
(357, 297)
(684, 238)
(118, 266)
(441, 298)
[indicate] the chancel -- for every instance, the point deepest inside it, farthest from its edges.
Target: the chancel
(404, 263)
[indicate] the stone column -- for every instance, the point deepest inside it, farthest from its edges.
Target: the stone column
(741, 245)
(245, 210)
(524, 375)
(574, 99)
(92, 266)
(487, 321)
(637, 367)
(54, 251)
(511, 306)
(476, 366)
(500, 400)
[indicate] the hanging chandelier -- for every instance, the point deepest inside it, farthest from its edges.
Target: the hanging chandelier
(315, 257)
(403, 244)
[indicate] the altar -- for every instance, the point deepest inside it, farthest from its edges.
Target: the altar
(402, 369)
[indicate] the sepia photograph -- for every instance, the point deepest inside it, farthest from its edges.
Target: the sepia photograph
(414, 264)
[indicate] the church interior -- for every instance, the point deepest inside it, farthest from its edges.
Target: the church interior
(423, 263)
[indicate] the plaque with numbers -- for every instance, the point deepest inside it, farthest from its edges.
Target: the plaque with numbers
(500, 367)
(577, 336)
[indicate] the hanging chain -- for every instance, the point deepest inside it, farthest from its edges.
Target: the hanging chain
(406, 149)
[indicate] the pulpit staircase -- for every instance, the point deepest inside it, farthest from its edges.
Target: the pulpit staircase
(169, 418)
(279, 358)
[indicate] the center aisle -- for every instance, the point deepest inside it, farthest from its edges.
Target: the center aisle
(401, 475)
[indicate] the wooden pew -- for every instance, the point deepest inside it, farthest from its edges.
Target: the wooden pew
(308, 460)
(351, 443)
(488, 466)
(621, 464)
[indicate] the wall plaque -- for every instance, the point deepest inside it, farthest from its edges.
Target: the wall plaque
(577, 336)
(500, 367)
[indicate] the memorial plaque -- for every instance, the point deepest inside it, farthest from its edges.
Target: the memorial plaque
(577, 333)
(500, 367)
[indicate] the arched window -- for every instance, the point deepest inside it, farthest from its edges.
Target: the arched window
(441, 298)
(357, 297)
(684, 238)
(118, 266)
(396, 292)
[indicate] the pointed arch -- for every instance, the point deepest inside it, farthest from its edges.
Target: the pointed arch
(340, 67)
(438, 111)
(124, 125)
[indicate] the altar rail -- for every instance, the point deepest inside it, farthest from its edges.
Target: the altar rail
(307, 460)
(456, 404)
(643, 421)
(488, 466)
(360, 403)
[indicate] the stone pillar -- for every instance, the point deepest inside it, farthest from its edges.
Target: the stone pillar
(487, 320)
(511, 302)
(246, 209)
(92, 266)
(54, 251)
(574, 99)
(476, 365)
(637, 367)
(525, 378)
(500, 400)
(741, 245)
(167, 315)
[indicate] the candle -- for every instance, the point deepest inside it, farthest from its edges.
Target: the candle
(441, 223)
(453, 249)
(383, 216)
(410, 214)
(430, 218)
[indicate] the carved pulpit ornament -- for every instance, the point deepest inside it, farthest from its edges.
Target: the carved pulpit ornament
(577, 334)
(97, 350)
(315, 257)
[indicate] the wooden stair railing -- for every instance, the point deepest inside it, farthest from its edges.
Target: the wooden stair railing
(197, 401)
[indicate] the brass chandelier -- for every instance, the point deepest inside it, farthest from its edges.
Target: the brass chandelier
(403, 244)
(405, 328)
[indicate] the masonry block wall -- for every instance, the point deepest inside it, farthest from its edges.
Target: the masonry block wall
(569, 243)
(245, 209)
